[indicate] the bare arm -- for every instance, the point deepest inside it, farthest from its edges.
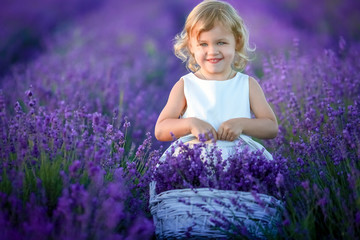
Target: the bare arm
(169, 121)
(263, 126)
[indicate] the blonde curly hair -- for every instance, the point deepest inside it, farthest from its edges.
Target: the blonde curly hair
(202, 18)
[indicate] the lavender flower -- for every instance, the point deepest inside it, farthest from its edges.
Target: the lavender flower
(243, 171)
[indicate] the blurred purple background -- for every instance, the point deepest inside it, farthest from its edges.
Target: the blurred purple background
(23, 25)
(273, 24)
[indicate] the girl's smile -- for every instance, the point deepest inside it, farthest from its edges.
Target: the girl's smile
(214, 60)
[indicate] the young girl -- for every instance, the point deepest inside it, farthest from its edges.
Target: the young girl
(215, 99)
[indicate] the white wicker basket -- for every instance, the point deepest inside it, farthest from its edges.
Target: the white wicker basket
(177, 219)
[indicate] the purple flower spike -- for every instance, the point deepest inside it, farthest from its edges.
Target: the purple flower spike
(29, 93)
(74, 167)
(279, 181)
(306, 185)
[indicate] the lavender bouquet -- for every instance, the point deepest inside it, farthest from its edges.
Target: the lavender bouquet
(189, 166)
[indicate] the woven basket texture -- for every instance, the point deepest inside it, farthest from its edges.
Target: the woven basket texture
(181, 213)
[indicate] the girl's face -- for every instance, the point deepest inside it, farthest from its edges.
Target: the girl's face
(214, 52)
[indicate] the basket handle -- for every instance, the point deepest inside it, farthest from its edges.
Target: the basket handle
(152, 191)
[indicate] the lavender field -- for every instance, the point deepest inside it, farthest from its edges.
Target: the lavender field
(82, 84)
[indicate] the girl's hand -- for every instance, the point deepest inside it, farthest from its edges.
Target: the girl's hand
(230, 130)
(198, 126)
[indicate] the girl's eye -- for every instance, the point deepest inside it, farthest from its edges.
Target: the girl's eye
(221, 43)
(203, 44)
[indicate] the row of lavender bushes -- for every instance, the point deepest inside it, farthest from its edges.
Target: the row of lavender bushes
(76, 156)
(70, 174)
(316, 100)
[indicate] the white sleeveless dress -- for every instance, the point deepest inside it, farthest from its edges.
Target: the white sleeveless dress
(216, 102)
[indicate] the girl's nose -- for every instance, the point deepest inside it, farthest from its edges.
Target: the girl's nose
(213, 49)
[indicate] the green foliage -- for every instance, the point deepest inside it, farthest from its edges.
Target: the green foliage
(5, 184)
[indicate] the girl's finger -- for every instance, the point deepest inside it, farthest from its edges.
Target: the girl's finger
(226, 136)
(220, 133)
(214, 134)
(229, 137)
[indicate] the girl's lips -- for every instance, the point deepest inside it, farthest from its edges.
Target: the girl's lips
(214, 60)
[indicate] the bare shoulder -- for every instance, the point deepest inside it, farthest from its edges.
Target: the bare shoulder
(253, 83)
(179, 84)
(177, 90)
(175, 103)
(252, 80)
(258, 102)
(177, 95)
(255, 89)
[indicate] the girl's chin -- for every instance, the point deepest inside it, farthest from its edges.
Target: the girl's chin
(216, 73)
(215, 70)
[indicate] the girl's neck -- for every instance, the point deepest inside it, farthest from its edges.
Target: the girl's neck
(218, 78)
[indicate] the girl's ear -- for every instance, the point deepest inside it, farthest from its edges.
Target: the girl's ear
(239, 43)
(191, 43)
(189, 46)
